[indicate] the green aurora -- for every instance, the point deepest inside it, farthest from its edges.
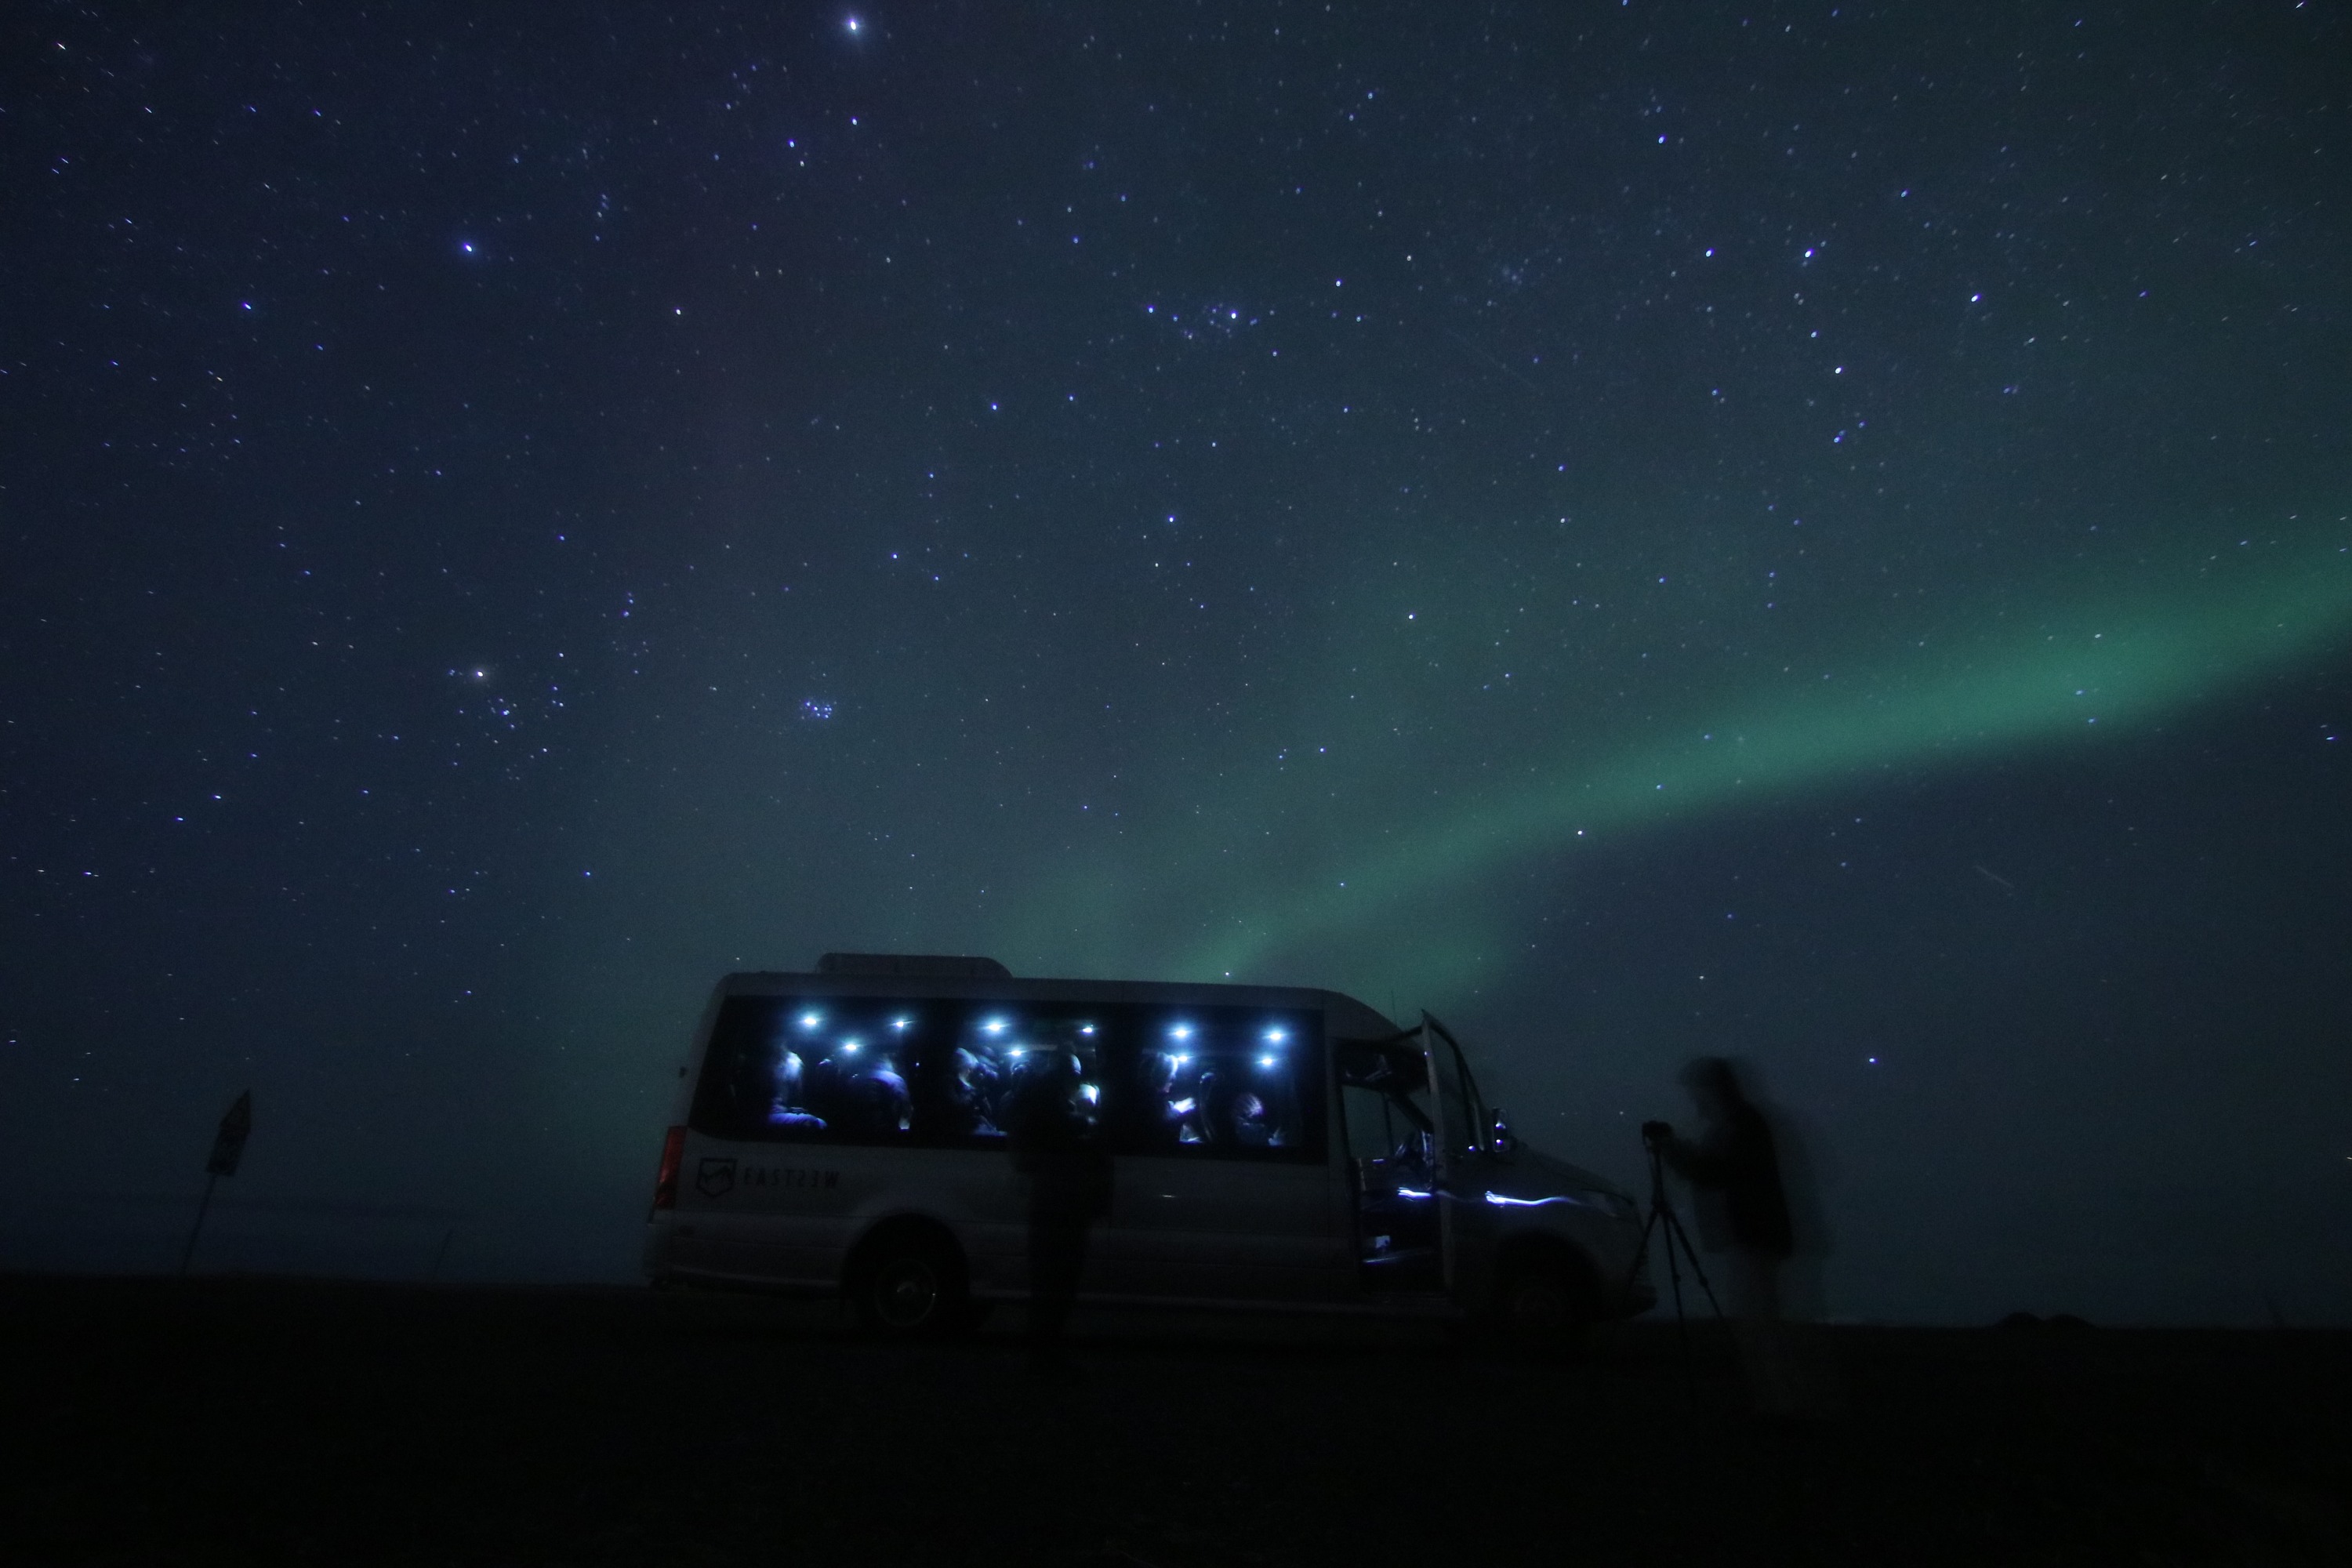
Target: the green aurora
(1409, 906)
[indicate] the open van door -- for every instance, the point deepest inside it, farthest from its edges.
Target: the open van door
(1399, 1134)
(1464, 1128)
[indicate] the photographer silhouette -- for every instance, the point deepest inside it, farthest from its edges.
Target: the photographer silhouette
(1734, 1170)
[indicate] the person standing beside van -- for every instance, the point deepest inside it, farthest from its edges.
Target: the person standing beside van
(1743, 1215)
(1069, 1172)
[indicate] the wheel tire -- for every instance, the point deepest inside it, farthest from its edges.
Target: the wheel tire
(1539, 1308)
(912, 1288)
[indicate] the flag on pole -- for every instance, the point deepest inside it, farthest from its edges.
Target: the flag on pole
(228, 1144)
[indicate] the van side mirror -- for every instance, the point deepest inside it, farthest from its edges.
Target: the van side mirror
(1503, 1143)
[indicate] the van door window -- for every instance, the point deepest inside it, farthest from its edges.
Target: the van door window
(1465, 1119)
(1386, 1128)
(1392, 1149)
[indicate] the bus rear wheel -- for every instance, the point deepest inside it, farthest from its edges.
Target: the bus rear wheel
(910, 1286)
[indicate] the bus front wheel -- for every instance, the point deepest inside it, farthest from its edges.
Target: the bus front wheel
(1540, 1303)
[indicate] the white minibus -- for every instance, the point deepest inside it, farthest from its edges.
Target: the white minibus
(845, 1131)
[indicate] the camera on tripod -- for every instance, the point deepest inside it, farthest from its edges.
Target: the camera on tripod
(1657, 1140)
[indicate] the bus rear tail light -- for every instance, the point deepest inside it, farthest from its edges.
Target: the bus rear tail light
(666, 1180)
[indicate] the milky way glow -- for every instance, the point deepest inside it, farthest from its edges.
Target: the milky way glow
(1403, 904)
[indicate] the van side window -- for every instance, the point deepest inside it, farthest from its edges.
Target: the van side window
(1211, 1083)
(916, 1073)
(1223, 1083)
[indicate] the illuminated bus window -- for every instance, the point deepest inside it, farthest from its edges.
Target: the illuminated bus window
(1211, 1083)
(1222, 1084)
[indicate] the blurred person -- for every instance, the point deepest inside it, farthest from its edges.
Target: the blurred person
(1052, 1145)
(1734, 1170)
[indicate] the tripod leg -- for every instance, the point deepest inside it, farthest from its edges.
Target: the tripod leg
(1642, 1249)
(1674, 1273)
(1674, 1234)
(1682, 1324)
(1660, 1210)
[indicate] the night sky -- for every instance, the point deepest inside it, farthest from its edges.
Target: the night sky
(1810, 532)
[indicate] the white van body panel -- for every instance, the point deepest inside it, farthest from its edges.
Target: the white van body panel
(1242, 1233)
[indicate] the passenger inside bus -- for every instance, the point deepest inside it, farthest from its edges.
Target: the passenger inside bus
(784, 1108)
(858, 1090)
(1165, 1106)
(1253, 1125)
(1066, 1051)
(954, 1093)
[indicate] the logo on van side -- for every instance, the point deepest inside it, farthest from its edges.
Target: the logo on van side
(716, 1179)
(789, 1176)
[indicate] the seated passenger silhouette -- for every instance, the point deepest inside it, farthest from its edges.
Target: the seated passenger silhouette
(1161, 1105)
(950, 1098)
(784, 1108)
(1253, 1126)
(976, 1091)
(873, 1100)
(1203, 1122)
(827, 1089)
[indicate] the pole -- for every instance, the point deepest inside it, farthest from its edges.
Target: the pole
(189, 1252)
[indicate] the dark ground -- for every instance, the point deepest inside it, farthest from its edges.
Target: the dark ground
(263, 1420)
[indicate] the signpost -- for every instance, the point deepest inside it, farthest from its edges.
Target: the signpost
(228, 1148)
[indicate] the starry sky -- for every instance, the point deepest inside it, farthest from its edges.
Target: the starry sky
(1811, 531)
